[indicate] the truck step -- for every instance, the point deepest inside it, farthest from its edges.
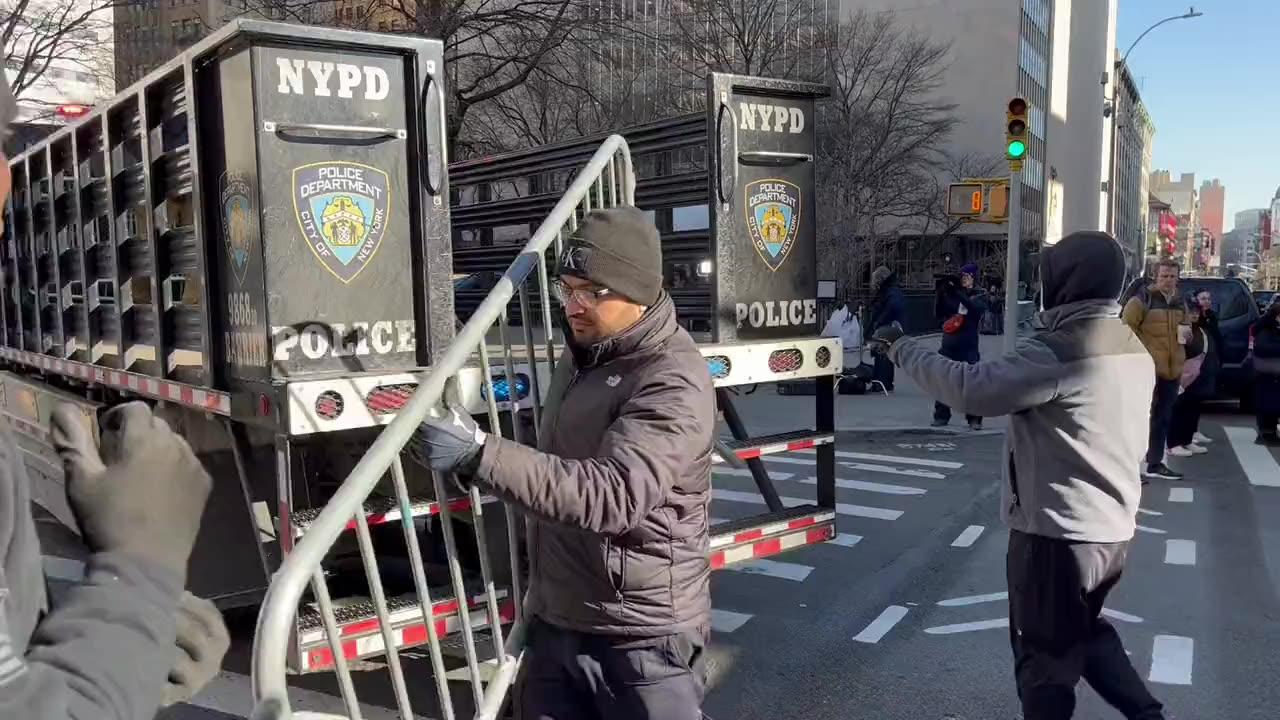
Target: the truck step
(782, 442)
(361, 633)
(761, 536)
(382, 510)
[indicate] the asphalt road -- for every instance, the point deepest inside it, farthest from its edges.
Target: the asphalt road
(903, 617)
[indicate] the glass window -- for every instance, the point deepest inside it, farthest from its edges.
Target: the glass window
(1237, 302)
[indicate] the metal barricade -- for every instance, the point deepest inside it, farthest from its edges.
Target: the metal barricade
(607, 180)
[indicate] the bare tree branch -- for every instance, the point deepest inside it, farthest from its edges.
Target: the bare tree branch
(43, 35)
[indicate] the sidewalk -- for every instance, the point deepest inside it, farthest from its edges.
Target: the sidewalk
(907, 408)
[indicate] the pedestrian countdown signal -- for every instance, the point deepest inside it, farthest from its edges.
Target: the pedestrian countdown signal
(964, 199)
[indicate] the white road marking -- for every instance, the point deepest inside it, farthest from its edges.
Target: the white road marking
(969, 626)
(875, 487)
(746, 472)
(881, 625)
(1258, 463)
(1172, 657)
(841, 508)
(1182, 495)
(231, 693)
(889, 470)
(60, 568)
(968, 537)
(1153, 513)
(1180, 552)
(974, 599)
(773, 568)
(717, 521)
(1153, 531)
(726, 621)
(944, 464)
(1121, 616)
(845, 539)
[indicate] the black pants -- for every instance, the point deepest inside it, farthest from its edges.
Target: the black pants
(942, 413)
(1056, 592)
(883, 371)
(1185, 420)
(569, 675)
(1162, 400)
(1267, 424)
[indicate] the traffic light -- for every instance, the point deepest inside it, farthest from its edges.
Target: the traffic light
(998, 202)
(1015, 133)
(964, 199)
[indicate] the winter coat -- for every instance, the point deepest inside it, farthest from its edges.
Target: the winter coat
(963, 344)
(1206, 383)
(889, 305)
(617, 495)
(1195, 351)
(1155, 320)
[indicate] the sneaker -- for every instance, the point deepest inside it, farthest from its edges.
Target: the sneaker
(1201, 439)
(975, 425)
(940, 423)
(1162, 471)
(1268, 440)
(1196, 449)
(1181, 451)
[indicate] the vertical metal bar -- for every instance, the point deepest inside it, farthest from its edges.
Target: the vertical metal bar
(45, 156)
(33, 255)
(508, 362)
(340, 668)
(197, 221)
(613, 182)
(526, 322)
(1013, 258)
(599, 187)
(825, 468)
(548, 327)
(486, 573)
(758, 471)
(420, 584)
(112, 241)
(147, 234)
(459, 590)
(370, 560)
(513, 543)
(284, 494)
(77, 227)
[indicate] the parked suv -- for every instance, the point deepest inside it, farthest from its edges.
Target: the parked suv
(1237, 311)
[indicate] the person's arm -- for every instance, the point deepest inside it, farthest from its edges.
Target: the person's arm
(661, 432)
(1022, 379)
(103, 653)
(1133, 314)
(975, 304)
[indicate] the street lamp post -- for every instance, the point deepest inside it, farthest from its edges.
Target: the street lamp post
(1115, 84)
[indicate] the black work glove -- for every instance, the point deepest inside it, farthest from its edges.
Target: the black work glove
(885, 337)
(449, 440)
(202, 643)
(143, 496)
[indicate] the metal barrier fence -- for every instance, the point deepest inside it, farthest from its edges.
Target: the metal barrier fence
(607, 180)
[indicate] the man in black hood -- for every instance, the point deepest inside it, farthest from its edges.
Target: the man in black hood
(1077, 392)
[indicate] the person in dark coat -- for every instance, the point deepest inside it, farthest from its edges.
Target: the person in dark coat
(1183, 424)
(888, 306)
(1266, 375)
(959, 307)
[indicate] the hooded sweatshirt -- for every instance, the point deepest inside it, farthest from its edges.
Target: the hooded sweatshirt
(1078, 393)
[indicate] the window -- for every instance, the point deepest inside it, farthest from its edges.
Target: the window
(1236, 304)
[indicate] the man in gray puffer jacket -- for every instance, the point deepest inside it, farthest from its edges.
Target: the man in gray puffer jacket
(1077, 393)
(617, 495)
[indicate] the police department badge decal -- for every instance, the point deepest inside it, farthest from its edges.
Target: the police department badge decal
(237, 222)
(342, 210)
(773, 218)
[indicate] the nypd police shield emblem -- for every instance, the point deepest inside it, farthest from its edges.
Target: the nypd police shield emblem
(773, 219)
(237, 223)
(342, 210)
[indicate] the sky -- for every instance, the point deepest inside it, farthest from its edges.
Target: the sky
(1212, 87)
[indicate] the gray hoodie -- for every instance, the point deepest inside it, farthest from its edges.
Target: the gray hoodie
(1078, 393)
(105, 652)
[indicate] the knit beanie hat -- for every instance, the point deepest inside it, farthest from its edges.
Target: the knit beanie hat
(619, 249)
(970, 269)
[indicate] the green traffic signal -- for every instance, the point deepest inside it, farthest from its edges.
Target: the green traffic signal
(1017, 149)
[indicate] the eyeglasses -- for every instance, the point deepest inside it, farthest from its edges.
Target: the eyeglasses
(586, 297)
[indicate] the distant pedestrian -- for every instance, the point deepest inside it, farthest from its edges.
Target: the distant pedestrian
(1154, 313)
(1266, 375)
(1206, 386)
(1186, 409)
(1076, 394)
(888, 306)
(959, 306)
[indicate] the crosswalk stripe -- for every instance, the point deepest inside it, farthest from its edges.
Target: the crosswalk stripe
(866, 467)
(841, 508)
(883, 623)
(968, 626)
(973, 599)
(746, 472)
(1258, 463)
(1182, 495)
(1172, 657)
(968, 537)
(845, 540)
(1180, 552)
(883, 488)
(944, 464)
(727, 621)
(773, 568)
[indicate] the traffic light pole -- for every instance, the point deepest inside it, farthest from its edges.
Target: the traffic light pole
(1013, 260)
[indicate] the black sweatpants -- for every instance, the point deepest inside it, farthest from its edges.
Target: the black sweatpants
(568, 675)
(1185, 420)
(1056, 592)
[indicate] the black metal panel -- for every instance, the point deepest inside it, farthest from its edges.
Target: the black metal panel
(33, 339)
(98, 231)
(71, 270)
(762, 182)
(47, 252)
(333, 161)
